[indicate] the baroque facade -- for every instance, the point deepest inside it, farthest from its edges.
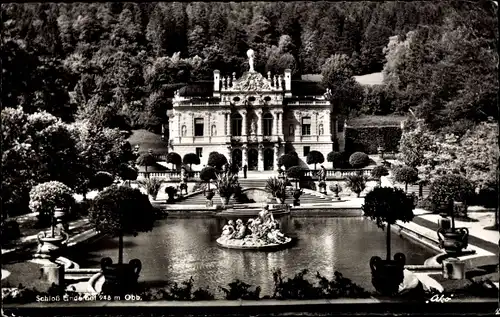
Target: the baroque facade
(252, 120)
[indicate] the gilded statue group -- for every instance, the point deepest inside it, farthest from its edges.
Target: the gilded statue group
(263, 230)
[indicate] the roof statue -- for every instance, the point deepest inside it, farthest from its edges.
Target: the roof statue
(251, 55)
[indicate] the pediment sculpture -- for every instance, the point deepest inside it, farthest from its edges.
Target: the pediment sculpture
(252, 81)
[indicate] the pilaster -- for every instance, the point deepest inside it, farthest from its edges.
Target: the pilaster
(260, 161)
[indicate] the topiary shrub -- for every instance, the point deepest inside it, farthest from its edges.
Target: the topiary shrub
(448, 188)
(406, 175)
(359, 160)
(127, 172)
(379, 171)
(45, 197)
(208, 174)
(315, 157)
(336, 158)
(120, 210)
(387, 205)
(217, 160)
(101, 180)
(191, 158)
(174, 159)
(296, 173)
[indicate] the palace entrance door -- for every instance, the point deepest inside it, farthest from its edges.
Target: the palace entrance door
(268, 159)
(253, 156)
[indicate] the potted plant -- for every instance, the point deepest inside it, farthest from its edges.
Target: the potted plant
(387, 205)
(296, 196)
(277, 188)
(356, 183)
(444, 191)
(226, 184)
(336, 189)
(152, 186)
(45, 198)
(171, 191)
(119, 211)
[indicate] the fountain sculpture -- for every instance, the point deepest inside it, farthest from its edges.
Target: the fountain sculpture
(261, 233)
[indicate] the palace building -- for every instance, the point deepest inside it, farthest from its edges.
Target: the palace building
(252, 120)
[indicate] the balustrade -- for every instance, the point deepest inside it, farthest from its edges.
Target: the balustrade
(340, 173)
(171, 175)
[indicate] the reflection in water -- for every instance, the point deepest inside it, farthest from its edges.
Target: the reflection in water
(178, 249)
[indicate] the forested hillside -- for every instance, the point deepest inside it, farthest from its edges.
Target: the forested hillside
(116, 64)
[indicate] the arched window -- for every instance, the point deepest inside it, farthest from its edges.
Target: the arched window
(236, 123)
(268, 124)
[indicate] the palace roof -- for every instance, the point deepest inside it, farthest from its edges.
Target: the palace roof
(198, 89)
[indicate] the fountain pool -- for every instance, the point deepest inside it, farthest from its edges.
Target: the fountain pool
(177, 249)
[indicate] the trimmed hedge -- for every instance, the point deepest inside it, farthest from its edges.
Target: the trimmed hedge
(366, 139)
(359, 160)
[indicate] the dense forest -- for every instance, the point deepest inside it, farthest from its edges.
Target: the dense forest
(117, 64)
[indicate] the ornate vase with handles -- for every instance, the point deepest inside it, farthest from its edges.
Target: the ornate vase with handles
(120, 279)
(49, 246)
(453, 240)
(387, 275)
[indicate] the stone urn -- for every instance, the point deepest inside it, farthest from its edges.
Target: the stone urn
(183, 188)
(120, 279)
(322, 187)
(453, 240)
(296, 197)
(380, 151)
(209, 194)
(50, 244)
(387, 275)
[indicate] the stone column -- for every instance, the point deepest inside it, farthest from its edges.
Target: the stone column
(244, 123)
(276, 154)
(260, 164)
(244, 158)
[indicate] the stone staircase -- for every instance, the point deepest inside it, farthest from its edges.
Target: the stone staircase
(306, 198)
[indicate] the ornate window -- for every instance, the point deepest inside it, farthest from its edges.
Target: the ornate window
(268, 124)
(236, 124)
(198, 127)
(306, 126)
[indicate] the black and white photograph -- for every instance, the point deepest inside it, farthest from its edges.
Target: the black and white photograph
(266, 158)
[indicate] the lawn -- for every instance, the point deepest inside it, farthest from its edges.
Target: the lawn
(148, 140)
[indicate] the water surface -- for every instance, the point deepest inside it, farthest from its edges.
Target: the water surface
(177, 249)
